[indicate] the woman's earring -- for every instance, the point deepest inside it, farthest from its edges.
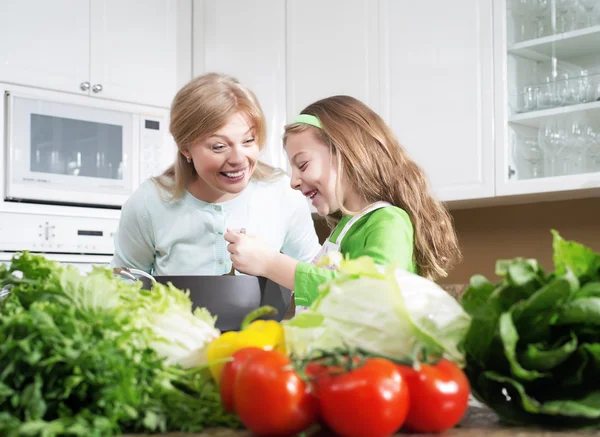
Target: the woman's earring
(188, 159)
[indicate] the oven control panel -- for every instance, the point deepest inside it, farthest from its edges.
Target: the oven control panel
(48, 233)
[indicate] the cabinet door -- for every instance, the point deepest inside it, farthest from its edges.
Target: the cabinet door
(439, 83)
(332, 48)
(133, 50)
(247, 40)
(547, 99)
(45, 44)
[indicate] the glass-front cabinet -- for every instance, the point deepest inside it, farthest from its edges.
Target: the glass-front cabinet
(547, 95)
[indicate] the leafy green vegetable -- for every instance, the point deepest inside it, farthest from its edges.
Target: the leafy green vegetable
(96, 356)
(533, 348)
(383, 310)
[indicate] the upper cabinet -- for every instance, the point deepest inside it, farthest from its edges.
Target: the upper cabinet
(247, 40)
(437, 73)
(45, 43)
(120, 50)
(492, 98)
(332, 48)
(547, 95)
(133, 50)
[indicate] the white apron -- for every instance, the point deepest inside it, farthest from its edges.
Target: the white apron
(328, 246)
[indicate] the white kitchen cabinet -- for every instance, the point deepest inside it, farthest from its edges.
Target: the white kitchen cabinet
(247, 40)
(437, 79)
(45, 43)
(547, 98)
(133, 50)
(332, 48)
(120, 50)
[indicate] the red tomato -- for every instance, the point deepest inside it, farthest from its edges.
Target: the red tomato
(230, 371)
(315, 369)
(271, 399)
(439, 396)
(369, 401)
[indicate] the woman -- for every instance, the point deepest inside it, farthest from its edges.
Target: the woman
(174, 224)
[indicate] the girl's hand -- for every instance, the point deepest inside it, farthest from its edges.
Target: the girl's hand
(250, 254)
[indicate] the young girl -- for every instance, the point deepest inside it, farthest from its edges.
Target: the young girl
(350, 164)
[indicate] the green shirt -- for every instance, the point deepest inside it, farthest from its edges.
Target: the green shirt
(386, 235)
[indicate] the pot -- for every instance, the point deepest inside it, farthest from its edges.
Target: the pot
(230, 297)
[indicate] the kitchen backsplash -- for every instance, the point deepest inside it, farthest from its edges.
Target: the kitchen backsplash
(489, 234)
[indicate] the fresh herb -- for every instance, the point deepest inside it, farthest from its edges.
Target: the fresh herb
(533, 349)
(96, 356)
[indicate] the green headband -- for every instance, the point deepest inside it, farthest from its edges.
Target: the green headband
(308, 119)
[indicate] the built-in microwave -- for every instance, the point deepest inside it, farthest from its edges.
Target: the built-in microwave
(78, 150)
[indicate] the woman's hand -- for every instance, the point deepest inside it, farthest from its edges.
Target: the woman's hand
(250, 254)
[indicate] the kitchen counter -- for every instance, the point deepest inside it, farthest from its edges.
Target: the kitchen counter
(478, 422)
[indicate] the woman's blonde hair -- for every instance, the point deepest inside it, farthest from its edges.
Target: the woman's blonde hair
(371, 160)
(200, 109)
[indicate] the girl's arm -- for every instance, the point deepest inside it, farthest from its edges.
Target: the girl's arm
(302, 277)
(387, 237)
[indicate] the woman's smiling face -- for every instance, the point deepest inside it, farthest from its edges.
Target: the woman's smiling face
(224, 160)
(314, 170)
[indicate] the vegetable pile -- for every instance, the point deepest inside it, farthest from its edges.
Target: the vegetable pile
(378, 351)
(96, 356)
(533, 350)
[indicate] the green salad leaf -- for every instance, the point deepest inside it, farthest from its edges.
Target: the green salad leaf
(533, 349)
(93, 355)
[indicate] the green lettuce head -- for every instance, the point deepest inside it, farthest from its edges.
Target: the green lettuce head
(381, 309)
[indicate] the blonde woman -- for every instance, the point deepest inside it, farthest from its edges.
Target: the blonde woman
(349, 163)
(174, 224)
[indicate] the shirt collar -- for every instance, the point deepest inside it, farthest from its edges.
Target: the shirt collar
(228, 205)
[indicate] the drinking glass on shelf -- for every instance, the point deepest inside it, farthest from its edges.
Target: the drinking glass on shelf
(530, 98)
(589, 6)
(521, 12)
(547, 95)
(567, 91)
(540, 9)
(585, 87)
(529, 150)
(573, 153)
(592, 156)
(551, 138)
(566, 11)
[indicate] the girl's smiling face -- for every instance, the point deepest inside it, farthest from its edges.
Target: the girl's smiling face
(314, 170)
(224, 160)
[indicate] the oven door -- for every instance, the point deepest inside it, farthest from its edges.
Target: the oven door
(65, 153)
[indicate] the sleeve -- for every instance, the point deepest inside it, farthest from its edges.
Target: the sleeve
(308, 279)
(300, 241)
(388, 237)
(134, 240)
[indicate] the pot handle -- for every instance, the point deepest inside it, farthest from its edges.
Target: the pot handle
(132, 274)
(5, 291)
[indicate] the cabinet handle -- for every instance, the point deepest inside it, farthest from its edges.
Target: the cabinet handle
(511, 172)
(97, 88)
(84, 86)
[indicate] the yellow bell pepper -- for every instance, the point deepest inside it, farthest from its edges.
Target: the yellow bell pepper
(264, 334)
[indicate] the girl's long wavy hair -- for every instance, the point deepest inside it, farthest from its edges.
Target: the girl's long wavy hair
(200, 109)
(371, 160)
